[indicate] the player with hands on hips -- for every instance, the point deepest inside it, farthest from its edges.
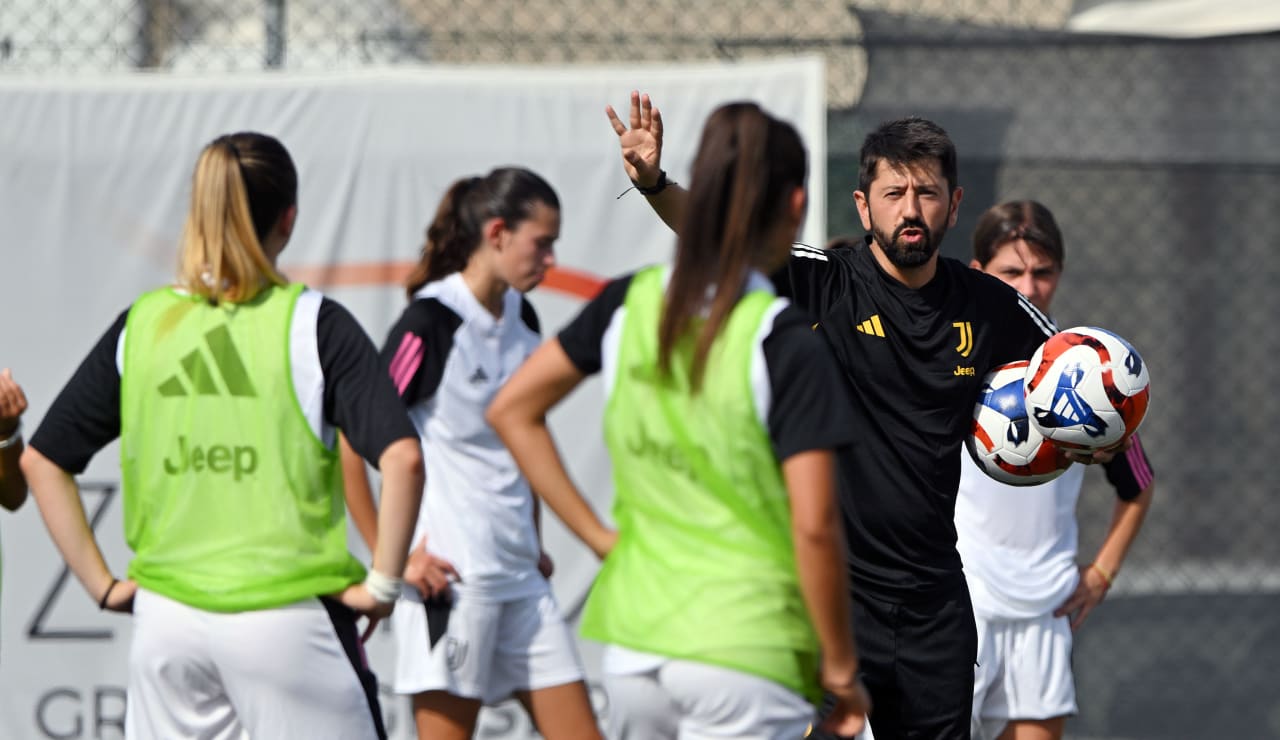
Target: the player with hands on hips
(480, 623)
(227, 391)
(1019, 544)
(723, 410)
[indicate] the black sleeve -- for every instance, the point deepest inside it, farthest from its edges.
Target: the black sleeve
(810, 408)
(530, 316)
(417, 348)
(1130, 472)
(814, 278)
(85, 417)
(582, 338)
(358, 396)
(1020, 328)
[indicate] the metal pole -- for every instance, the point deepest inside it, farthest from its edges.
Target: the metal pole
(275, 33)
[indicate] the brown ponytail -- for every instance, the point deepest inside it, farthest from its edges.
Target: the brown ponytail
(747, 165)
(509, 193)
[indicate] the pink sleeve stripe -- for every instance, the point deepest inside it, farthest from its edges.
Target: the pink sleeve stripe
(1142, 472)
(407, 360)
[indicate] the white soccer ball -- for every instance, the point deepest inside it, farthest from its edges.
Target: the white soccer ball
(1003, 442)
(1087, 388)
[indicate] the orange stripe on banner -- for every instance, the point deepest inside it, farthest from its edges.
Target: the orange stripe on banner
(561, 280)
(572, 282)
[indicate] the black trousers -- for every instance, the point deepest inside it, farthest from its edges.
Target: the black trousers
(916, 660)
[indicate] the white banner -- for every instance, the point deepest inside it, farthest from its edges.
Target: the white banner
(94, 183)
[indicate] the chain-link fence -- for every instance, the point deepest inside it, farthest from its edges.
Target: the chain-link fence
(1159, 157)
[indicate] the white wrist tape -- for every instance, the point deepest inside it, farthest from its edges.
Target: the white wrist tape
(383, 588)
(14, 437)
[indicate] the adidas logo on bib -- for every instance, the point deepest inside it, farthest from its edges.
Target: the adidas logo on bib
(199, 377)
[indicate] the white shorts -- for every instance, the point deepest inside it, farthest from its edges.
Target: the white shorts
(296, 671)
(489, 649)
(651, 698)
(1023, 672)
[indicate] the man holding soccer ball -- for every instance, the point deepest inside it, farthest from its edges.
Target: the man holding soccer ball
(914, 334)
(1019, 544)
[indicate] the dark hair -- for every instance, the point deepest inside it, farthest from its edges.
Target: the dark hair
(270, 179)
(907, 141)
(748, 164)
(1014, 220)
(243, 184)
(508, 193)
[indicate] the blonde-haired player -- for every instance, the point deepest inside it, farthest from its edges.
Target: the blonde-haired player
(227, 390)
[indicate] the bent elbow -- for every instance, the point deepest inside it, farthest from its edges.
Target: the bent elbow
(495, 414)
(403, 457)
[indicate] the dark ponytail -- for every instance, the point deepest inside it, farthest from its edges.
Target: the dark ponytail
(450, 238)
(747, 165)
(508, 193)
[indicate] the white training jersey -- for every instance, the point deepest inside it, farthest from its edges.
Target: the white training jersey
(448, 356)
(1018, 543)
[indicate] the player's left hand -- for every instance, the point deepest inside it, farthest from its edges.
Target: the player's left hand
(1100, 457)
(121, 597)
(357, 598)
(545, 566)
(12, 403)
(429, 574)
(1090, 591)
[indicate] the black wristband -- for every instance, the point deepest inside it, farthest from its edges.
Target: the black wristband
(103, 603)
(658, 186)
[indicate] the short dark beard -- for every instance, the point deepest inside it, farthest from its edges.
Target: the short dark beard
(907, 256)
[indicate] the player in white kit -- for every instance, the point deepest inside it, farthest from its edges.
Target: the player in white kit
(495, 631)
(1019, 544)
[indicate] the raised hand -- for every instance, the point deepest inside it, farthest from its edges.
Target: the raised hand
(641, 142)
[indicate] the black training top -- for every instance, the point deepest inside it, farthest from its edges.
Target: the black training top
(914, 360)
(796, 389)
(358, 397)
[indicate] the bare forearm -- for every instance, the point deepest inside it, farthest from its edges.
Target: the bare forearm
(402, 480)
(1126, 521)
(519, 416)
(819, 552)
(824, 586)
(670, 205)
(534, 450)
(359, 495)
(58, 498)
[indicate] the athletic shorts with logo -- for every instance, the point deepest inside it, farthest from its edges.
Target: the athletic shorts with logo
(484, 649)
